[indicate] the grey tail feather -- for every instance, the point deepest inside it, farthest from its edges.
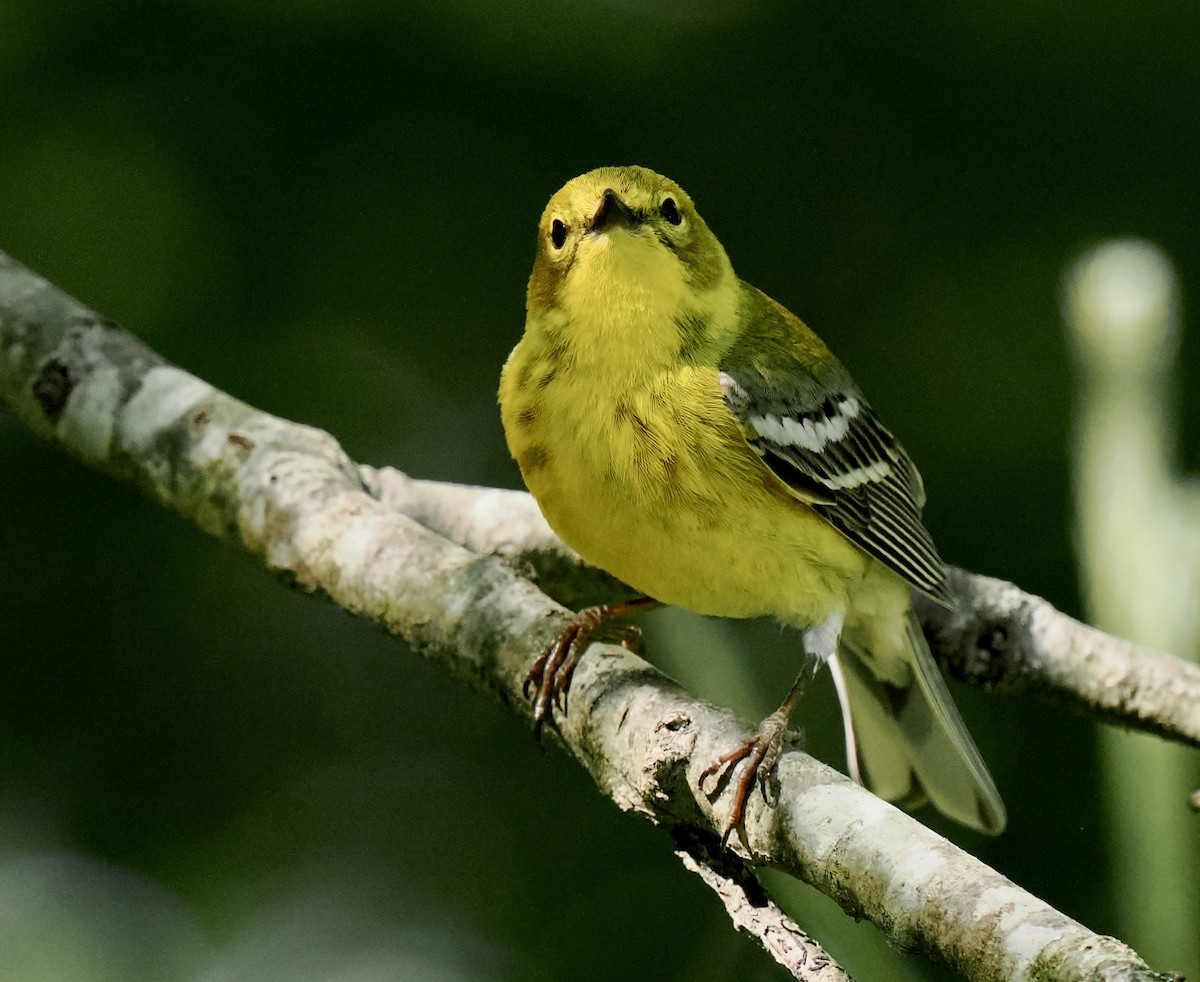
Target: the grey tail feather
(911, 741)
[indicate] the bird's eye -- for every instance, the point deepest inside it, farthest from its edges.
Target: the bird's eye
(670, 211)
(558, 234)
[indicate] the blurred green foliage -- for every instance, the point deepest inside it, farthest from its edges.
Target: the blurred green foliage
(328, 210)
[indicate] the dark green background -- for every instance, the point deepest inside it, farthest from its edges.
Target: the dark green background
(328, 210)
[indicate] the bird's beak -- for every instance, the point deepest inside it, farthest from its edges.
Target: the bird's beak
(612, 211)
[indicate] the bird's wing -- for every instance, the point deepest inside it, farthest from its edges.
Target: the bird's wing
(802, 413)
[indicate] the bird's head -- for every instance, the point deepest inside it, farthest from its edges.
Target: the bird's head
(624, 250)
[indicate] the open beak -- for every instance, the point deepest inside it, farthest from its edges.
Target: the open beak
(612, 211)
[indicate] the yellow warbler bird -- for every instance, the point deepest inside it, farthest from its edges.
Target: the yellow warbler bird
(683, 431)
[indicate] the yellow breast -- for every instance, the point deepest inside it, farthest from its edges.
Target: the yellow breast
(649, 478)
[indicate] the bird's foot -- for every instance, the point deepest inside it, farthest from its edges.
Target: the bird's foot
(761, 753)
(550, 675)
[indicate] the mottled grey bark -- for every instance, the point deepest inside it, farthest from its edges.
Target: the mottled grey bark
(290, 495)
(999, 635)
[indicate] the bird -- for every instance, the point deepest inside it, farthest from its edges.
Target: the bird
(692, 437)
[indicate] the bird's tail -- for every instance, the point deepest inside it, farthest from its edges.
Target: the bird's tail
(904, 731)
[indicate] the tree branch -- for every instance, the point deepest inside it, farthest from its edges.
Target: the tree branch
(289, 494)
(999, 635)
(752, 910)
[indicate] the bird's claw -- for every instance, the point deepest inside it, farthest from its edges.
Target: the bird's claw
(761, 752)
(550, 675)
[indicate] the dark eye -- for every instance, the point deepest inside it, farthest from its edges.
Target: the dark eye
(558, 234)
(670, 211)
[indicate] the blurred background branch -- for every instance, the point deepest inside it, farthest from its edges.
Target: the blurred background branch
(290, 495)
(1138, 542)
